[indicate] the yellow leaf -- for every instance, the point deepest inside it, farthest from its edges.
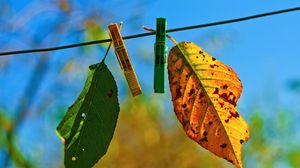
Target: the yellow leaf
(204, 94)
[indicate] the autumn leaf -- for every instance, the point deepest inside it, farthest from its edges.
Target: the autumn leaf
(89, 124)
(204, 94)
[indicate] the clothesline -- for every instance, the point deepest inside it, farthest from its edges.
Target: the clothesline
(150, 33)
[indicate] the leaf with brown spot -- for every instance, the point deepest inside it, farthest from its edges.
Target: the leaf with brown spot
(204, 94)
(89, 124)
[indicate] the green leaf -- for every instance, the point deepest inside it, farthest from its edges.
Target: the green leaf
(89, 124)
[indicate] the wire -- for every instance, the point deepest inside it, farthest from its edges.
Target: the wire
(151, 33)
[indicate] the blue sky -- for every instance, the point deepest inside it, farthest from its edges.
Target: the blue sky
(263, 52)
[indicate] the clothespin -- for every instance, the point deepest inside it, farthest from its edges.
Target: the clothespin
(124, 60)
(160, 49)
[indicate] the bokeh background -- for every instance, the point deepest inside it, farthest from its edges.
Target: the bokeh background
(36, 89)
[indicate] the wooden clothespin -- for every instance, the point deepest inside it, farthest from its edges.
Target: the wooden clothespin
(160, 49)
(124, 60)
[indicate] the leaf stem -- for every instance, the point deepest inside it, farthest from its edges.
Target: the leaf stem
(120, 28)
(108, 48)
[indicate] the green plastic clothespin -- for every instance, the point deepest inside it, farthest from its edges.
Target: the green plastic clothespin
(160, 50)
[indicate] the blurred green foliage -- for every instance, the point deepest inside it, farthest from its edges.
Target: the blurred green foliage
(143, 139)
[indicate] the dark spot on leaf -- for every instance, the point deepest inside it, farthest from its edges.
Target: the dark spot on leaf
(241, 141)
(186, 122)
(192, 91)
(229, 69)
(225, 86)
(223, 145)
(225, 97)
(65, 141)
(221, 104)
(233, 102)
(216, 91)
(214, 65)
(195, 130)
(234, 114)
(201, 95)
(210, 123)
(218, 131)
(227, 120)
(178, 93)
(110, 93)
(183, 106)
(197, 57)
(230, 161)
(204, 133)
(200, 52)
(213, 59)
(204, 139)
